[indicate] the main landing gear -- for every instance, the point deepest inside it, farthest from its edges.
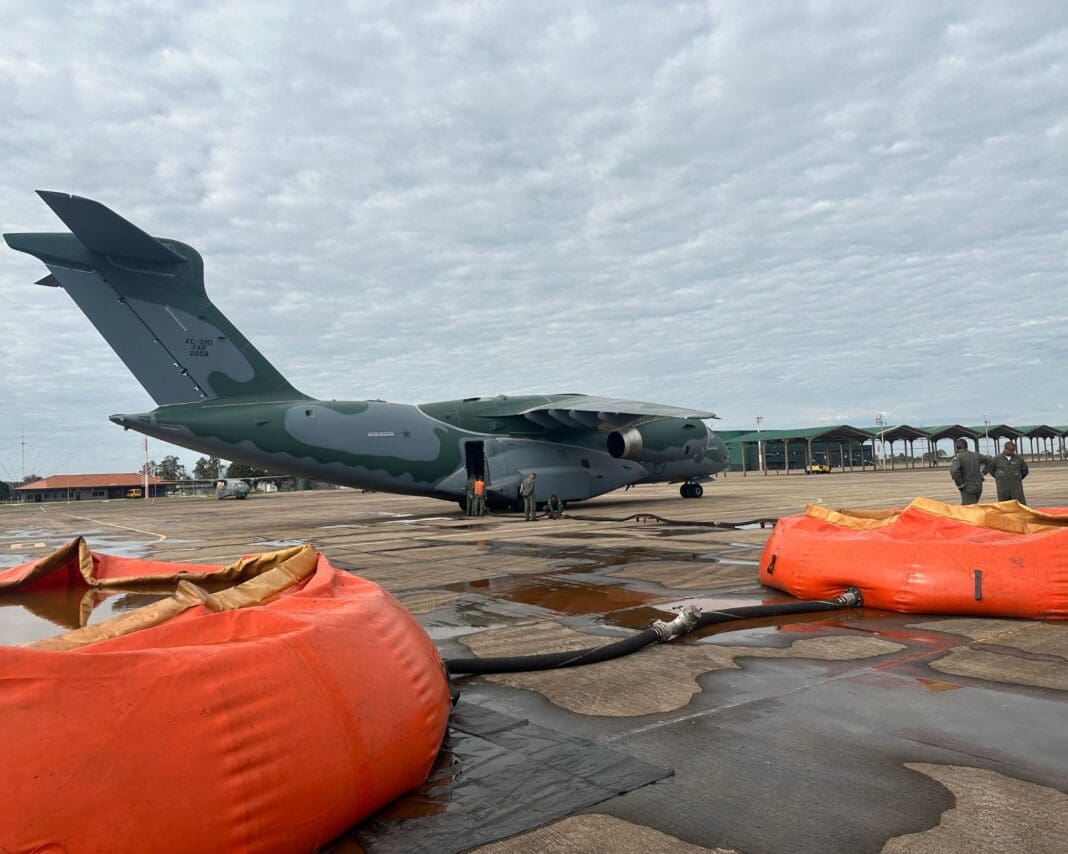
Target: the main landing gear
(691, 490)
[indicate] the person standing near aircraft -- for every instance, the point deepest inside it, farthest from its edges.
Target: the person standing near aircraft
(1009, 470)
(480, 497)
(526, 489)
(554, 507)
(967, 472)
(469, 494)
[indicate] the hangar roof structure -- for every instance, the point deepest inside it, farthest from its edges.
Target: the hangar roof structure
(838, 433)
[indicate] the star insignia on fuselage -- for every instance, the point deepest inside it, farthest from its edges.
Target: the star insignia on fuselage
(407, 434)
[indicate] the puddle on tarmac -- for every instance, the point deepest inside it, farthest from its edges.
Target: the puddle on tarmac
(460, 617)
(783, 631)
(278, 544)
(32, 543)
(418, 521)
(562, 594)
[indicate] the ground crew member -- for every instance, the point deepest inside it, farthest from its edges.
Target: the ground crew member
(480, 497)
(526, 489)
(1009, 470)
(469, 504)
(554, 507)
(967, 471)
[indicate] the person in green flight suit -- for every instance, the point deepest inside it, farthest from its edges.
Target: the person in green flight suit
(1009, 470)
(554, 507)
(526, 489)
(967, 472)
(469, 504)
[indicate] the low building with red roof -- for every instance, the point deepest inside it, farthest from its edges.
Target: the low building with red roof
(89, 487)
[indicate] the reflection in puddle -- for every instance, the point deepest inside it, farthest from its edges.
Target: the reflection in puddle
(938, 685)
(27, 616)
(562, 594)
(34, 543)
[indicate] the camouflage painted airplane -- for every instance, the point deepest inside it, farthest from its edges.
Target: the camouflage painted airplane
(216, 394)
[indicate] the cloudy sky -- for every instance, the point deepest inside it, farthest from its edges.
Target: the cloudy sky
(813, 212)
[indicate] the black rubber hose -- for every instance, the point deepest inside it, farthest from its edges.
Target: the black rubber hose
(592, 655)
(747, 612)
(691, 523)
(552, 660)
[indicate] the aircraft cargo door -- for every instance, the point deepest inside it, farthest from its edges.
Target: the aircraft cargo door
(475, 458)
(497, 470)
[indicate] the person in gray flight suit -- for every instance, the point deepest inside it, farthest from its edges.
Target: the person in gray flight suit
(967, 472)
(1009, 470)
(526, 489)
(469, 504)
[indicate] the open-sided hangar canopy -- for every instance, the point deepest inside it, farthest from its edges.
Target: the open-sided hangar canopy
(840, 446)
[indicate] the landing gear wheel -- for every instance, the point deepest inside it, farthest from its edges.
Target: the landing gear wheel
(696, 490)
(684, 490)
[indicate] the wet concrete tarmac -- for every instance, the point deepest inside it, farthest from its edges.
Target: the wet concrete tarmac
(851, 731)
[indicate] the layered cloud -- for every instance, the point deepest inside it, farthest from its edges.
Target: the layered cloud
(814, 212)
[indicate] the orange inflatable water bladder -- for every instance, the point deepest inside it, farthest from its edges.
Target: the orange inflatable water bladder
(995, 560)
(267, 716)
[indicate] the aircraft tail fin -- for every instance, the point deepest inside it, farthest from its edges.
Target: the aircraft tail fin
(146, 296)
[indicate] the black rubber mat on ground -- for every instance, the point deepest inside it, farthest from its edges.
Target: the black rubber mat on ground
(495, 777)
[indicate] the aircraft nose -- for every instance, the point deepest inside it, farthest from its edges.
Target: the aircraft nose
(135, 420)
(716, 450)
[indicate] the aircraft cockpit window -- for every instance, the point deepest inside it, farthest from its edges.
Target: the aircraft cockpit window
(309, 412)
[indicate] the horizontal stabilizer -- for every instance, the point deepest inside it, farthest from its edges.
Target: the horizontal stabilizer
(146, 297)
(102, 230)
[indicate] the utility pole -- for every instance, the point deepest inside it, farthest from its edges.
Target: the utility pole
(760, 447)
(986, 434)
(880, 422)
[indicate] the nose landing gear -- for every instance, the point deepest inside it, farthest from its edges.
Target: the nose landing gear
(691, 490)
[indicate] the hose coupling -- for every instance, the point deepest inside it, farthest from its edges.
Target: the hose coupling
(683, 623)
(851, 598)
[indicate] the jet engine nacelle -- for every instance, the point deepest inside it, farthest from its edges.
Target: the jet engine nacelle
(662, 441)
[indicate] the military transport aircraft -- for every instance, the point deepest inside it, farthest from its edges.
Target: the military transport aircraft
(215, 393)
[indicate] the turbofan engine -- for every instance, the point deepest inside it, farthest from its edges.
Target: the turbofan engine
(662, 441)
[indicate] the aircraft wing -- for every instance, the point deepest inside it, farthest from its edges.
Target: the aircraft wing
(603, 413)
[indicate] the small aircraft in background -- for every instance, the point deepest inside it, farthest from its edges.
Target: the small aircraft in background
(232, 487)
(216, 394)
